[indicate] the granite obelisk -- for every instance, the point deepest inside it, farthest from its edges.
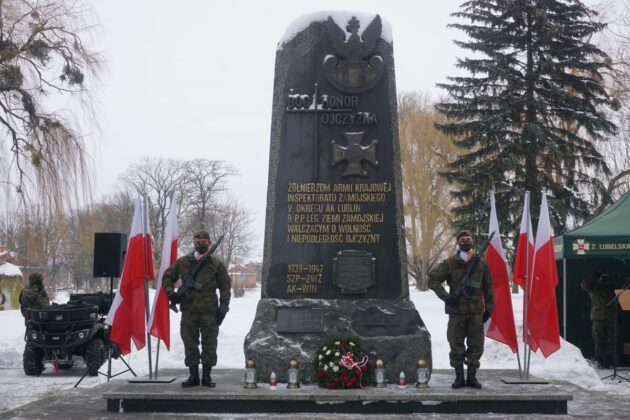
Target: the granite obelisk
(334, 258)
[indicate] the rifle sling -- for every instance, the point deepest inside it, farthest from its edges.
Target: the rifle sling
(199, 265)
(474, 263)
(196, 270)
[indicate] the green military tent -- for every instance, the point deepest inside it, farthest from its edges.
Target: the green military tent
(601, 243)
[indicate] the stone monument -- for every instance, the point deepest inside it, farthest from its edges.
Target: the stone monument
(334, 255)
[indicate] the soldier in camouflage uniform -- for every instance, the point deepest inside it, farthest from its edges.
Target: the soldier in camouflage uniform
(202, 313)
(34, 295)
(603, 316)
(466, 324)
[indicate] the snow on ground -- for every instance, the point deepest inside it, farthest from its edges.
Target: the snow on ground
(566, 364)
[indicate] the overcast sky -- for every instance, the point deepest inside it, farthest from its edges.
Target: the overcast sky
(188, 79)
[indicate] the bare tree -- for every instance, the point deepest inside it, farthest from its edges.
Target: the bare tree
(44, 57)
(157, 179)
(79, 246)
(205, 180)
(111, 214)
(233, 221)
(200, 184)
(425, 152)
(36, 234)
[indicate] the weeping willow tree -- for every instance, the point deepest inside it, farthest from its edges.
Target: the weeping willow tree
(47, 75)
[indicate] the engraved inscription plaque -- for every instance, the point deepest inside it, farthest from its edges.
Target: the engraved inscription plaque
(354, 271)
(299, 320)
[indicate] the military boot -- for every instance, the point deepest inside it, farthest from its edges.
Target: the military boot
(459, 377)
(206, 380)
(471, 380)
(193, 379)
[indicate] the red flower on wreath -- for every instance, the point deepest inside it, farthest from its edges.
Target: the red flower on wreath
(341, 363)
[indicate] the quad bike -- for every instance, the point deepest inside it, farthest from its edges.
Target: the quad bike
(56, 333)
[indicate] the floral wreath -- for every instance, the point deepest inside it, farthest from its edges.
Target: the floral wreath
(342, 363)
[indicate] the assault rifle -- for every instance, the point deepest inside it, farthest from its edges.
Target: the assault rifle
(465, 287)
(189, 282)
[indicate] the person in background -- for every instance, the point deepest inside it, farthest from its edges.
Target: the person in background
(603, 316)
(34, 295)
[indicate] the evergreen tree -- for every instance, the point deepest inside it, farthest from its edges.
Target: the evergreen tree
(530, 112)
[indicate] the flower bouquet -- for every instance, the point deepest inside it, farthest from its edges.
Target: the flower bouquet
(342, 364)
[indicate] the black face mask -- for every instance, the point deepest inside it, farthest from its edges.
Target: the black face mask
(202, 249)
(466, 246)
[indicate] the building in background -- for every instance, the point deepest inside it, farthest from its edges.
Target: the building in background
(11, 279)
(244, 277)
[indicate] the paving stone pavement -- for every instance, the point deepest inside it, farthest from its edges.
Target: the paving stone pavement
(83, 403)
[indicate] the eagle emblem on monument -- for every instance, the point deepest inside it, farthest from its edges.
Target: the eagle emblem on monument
(355, 67)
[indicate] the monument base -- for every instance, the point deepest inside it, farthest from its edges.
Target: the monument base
(231, 397)
(297, 328)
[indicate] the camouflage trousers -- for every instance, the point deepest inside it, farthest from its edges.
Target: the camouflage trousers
(603, 337)
(191, 327)
(465, 330)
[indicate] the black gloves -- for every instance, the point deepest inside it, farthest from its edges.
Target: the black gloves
(219, 317)
(174, 298)
(486, 316)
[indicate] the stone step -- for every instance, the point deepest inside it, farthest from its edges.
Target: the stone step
(230, 396)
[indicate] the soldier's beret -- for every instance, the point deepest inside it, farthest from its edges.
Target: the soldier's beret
(202, 234)
(464, 232)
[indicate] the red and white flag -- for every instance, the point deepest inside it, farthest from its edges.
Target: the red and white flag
(127, 315)
(524, 247)
(159, 321)
(501, 324)
(542, 313)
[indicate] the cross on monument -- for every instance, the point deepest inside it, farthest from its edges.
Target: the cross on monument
(314, 107)
(354, 153)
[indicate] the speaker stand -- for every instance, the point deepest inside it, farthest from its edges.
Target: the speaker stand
(109, 375)
(109, 344)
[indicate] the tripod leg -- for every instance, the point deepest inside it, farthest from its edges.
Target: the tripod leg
(616, 353)
(109, 363)
(84, 374)
(128, 367)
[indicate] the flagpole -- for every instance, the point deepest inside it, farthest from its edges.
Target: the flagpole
(157, 358)
(155, 296)
(157, 352)
(526, 296)
(146, 280)
(500, 284)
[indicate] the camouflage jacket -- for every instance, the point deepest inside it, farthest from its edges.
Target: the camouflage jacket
(213, 275)
(601, 293)
(33, 297)
(451, 271)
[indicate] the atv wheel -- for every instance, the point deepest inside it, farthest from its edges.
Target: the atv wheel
(33, 360)
(95, 355)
